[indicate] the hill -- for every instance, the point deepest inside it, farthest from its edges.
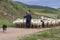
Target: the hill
(44, 11)
(10, 10)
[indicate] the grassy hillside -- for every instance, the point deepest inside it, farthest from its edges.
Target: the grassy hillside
(10, 10)
(44, 11)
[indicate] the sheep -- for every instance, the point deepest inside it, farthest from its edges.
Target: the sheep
(36, 23)
(58, 21)
(20, 22)
(39, 23)
(45, 23)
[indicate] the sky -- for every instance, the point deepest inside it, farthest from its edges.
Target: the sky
(49, 3)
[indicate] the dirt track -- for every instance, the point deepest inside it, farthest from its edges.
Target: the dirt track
(15, 33)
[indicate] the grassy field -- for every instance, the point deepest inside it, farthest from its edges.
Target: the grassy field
(47, 14)
(52, 34)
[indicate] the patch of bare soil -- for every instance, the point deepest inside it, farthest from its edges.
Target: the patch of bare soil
(57, 35)
(45, 39)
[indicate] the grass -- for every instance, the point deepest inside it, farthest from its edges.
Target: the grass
(6, 21)
(10, 10)
(18, 6)
(45, 35)
(47, 14)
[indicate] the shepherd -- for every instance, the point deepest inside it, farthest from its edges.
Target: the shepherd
(28, 19)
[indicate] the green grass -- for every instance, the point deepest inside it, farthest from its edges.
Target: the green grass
(8, 22)
(18, 6)
(49, 34)
(10, 10)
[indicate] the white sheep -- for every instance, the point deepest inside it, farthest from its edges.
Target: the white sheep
(48, 22)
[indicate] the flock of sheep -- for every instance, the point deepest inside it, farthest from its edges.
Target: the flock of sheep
(36, 23)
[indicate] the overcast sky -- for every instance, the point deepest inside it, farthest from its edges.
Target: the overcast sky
(49, 3)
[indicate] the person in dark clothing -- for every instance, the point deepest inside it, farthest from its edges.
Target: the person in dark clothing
(42, 23)
(28, 19)
(4, 27)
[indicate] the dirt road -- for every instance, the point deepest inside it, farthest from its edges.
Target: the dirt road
(15, 33)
